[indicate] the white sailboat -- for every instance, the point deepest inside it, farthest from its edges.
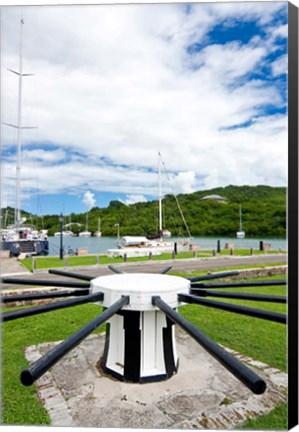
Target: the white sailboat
(85, 233)
(65, 233)
(98, 233)
(21, 238)
(143, 246)
(241, 232)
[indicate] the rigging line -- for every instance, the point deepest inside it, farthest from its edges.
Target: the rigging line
(173, 220)
(175, 197)
(38, 202)
(177, 229)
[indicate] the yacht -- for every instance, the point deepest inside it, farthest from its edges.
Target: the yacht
(132, 246)
(241, 232)
(21, 238)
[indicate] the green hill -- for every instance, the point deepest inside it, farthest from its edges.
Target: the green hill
(263, 210)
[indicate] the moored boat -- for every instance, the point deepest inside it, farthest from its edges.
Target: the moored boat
(241, 232)
(144, 246)
(85, 233)
(65, 233)
(98, 233)
(22, 238)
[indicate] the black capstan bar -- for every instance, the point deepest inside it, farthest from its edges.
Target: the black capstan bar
(248, 377)
(165, 269)
(40, 296)
(115, 269)
(39, 282)
(243, 310)
(247, 284)
(213, 276)
(42, 365)
(70, 274)
(242, 296)
(21, 313)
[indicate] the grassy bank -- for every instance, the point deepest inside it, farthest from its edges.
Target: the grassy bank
(40, 263)
(259, 339)
(20, 405)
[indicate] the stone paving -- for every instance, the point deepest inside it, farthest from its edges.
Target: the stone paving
(12, 267)
(202, 395)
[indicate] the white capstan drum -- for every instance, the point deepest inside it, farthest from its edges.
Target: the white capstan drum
(140, 342)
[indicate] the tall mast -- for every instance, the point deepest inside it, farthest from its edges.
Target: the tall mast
(160, 193)
(19, 127)
(18, 166)
(175, 197)
(240, 217)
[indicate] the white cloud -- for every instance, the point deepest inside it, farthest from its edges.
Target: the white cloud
(280, 66)
(183, 182)
(89, 200)
(134, 198)
(117, 82)
(280, 31)
(230, 61)
(44, 156)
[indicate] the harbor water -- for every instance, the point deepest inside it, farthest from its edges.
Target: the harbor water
(99, 245)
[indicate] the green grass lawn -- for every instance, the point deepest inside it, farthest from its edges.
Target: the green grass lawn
(20, 405)
(277, 418)
(257, 338)
(247, 335)
(88, 260)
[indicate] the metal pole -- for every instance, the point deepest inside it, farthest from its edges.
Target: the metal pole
(242, 296)
(175, 248)
(21, 313)
(40, 296)
(18, 167)
(247, 284)
(40, 282)
(160, 195)
(42, 365)
(243, 310)
(61, 237)
(33, 265)
(71, 275)
(165, 269)
(114, 269)
(256, 384)
(214, 276)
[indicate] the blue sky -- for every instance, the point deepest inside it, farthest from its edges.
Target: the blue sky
(204, 84)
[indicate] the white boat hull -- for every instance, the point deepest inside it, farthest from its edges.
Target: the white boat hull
(141, 251)
(24, 239)
(64, 234)
(131, 252)
(85, 234)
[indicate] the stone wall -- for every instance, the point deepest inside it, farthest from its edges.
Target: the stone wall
(261, 272)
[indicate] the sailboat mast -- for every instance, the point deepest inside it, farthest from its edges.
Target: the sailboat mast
(19, 128)
(240, 218)
(160, 192)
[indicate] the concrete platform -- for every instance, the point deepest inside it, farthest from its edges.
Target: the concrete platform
(202, 395)
(12, 267)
